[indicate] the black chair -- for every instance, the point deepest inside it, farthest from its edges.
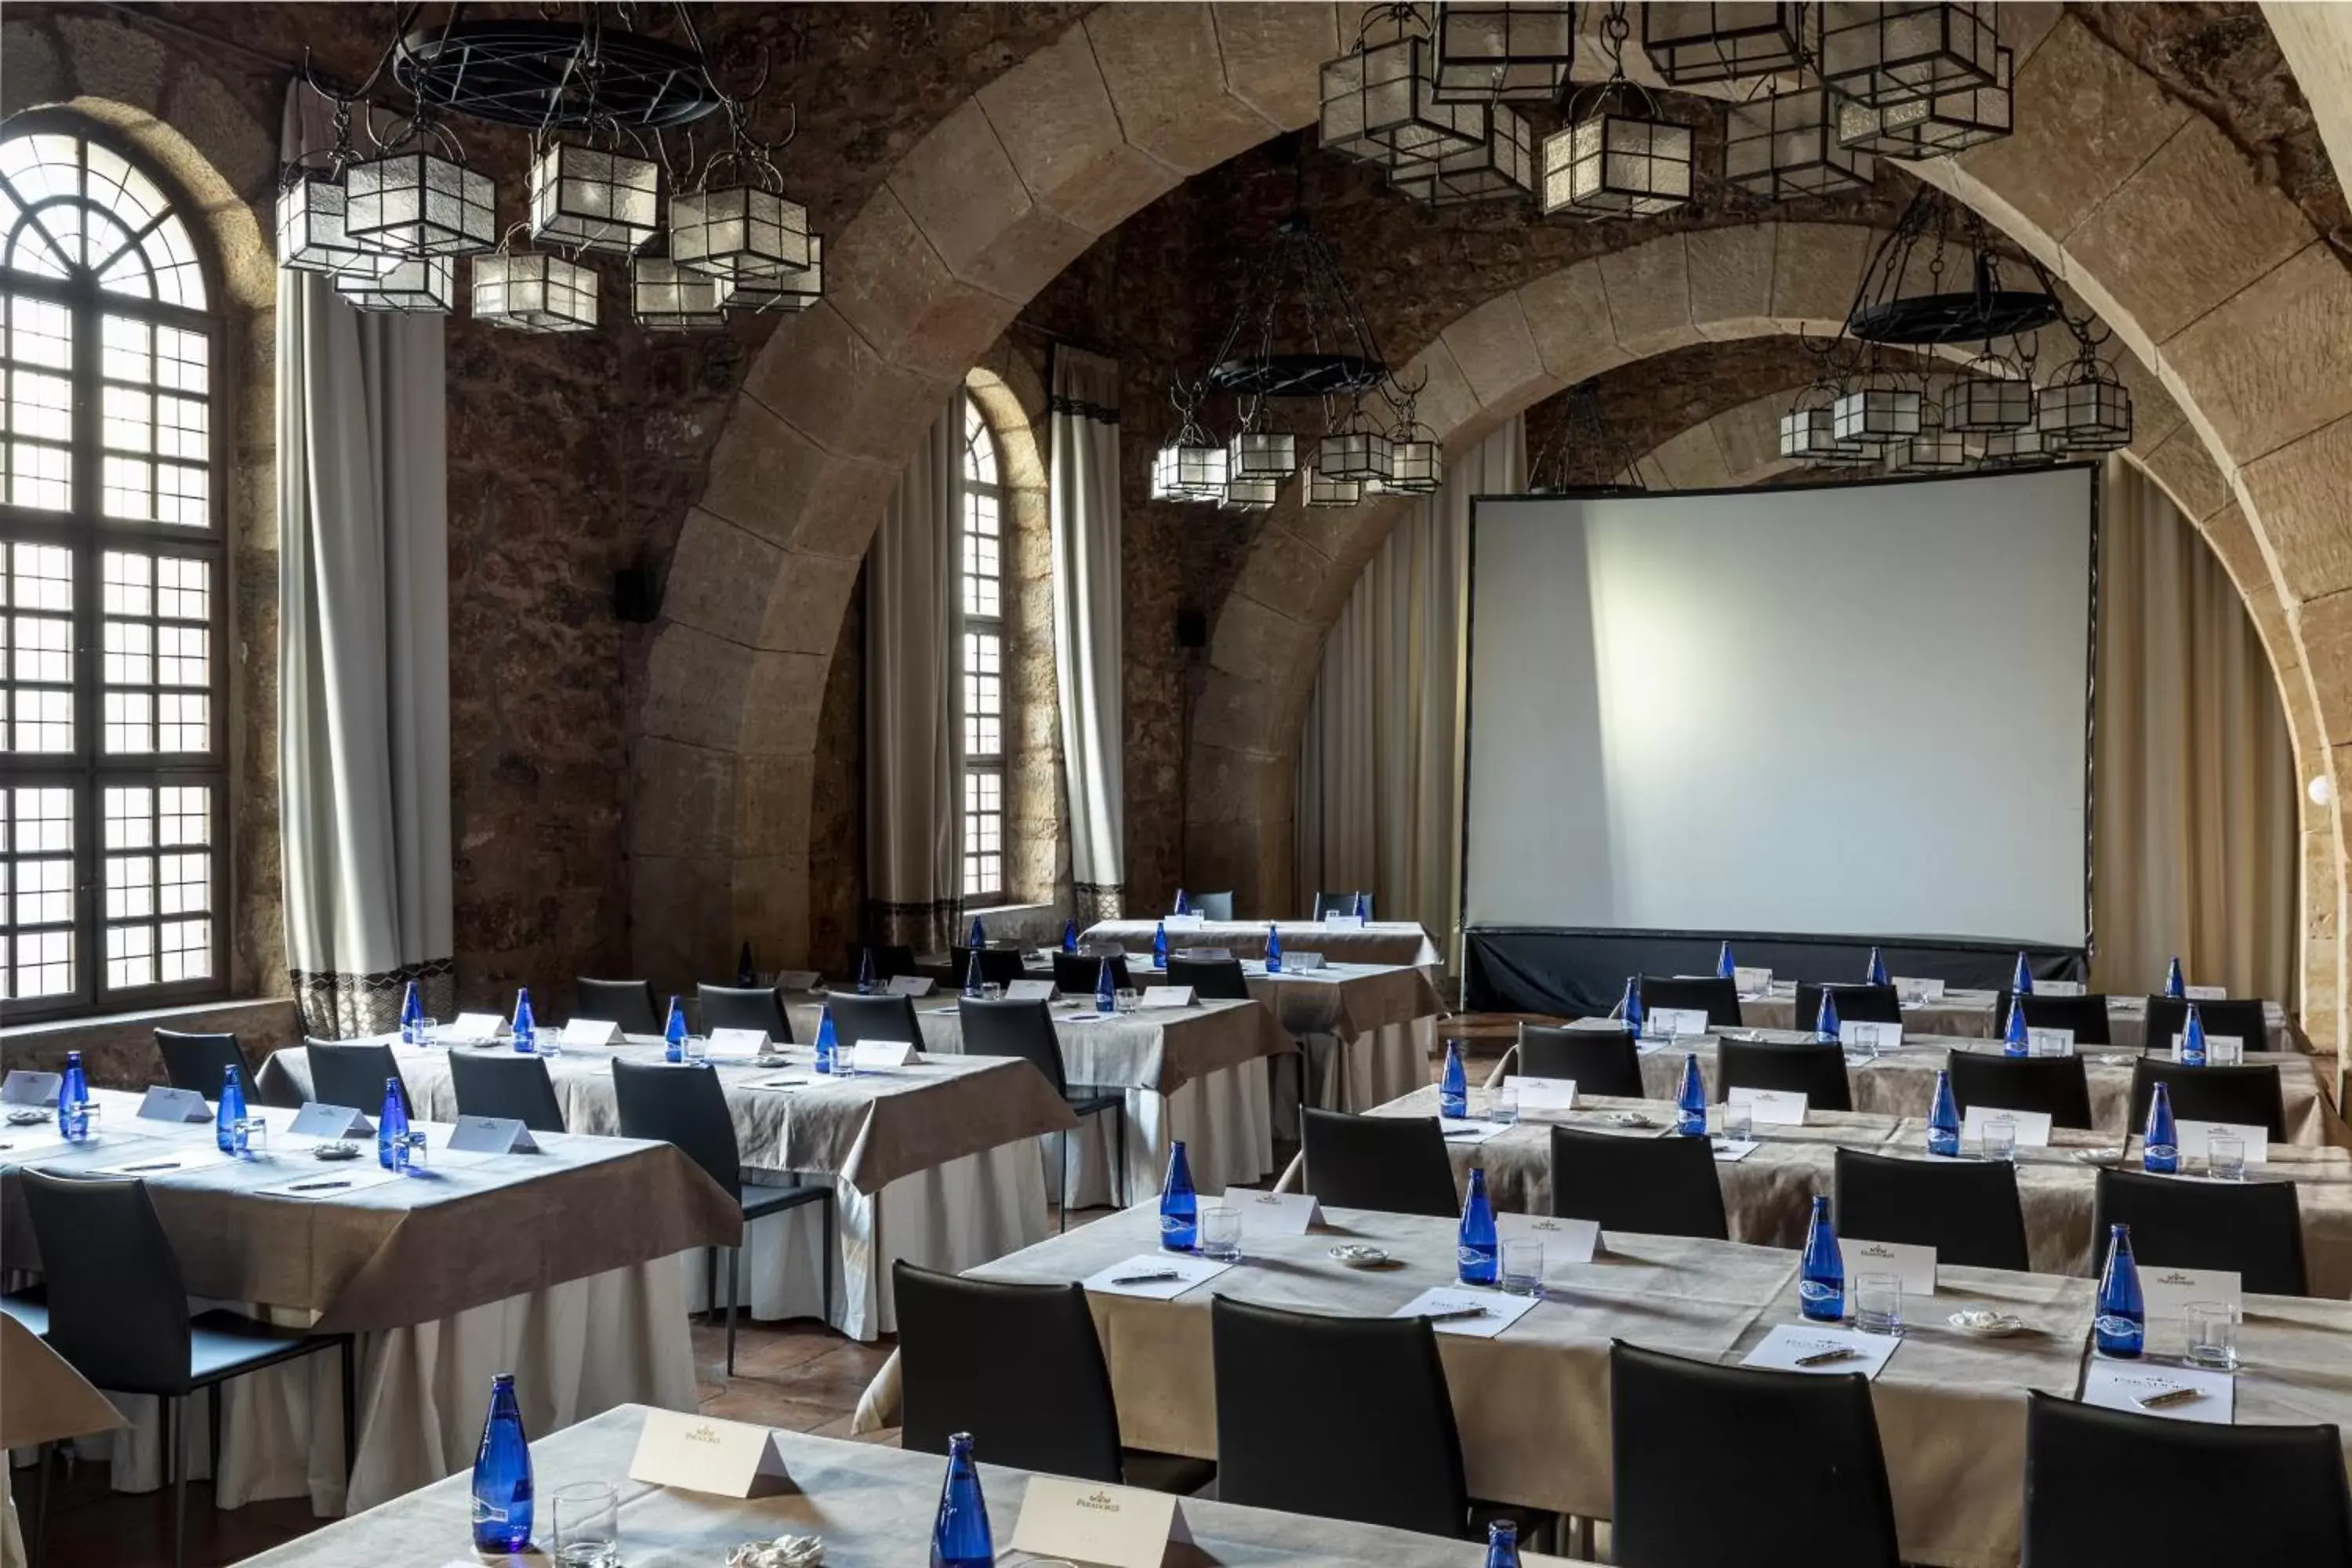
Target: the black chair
(2220, 1494)
(510, 1085)
(2254, 1228)
(1025, 1029)
(1336, 1417)
(1815, 1069)
(1855, 1004)
(759, 1007)
(1731, 1464)
(1077, 974)
(998, 966)
(2249, 1096)
(201, 1062)
(1040, 1393)
(891, 960)
(1340, 904)
(2055, 1086)
(1968, 1212)
(2244, 1019)
(1214, 906)
(119, 1315)
(1601, 1061)
(2086, 1015)
(1397, 1165)
(628, 1003)
(1717, 998)
(352, 1074)
(1212, 979)
(856, 1018)
(1645, 1186)
(675, 1103)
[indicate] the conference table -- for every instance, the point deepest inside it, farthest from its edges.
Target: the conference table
(869, 1504)
(1900, 1080)
(1532, 1402)
(560, 1265)
(1370, 942)
(928, 1161)
(1970, 1015)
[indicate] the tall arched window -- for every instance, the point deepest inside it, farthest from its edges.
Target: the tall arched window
(113, 691)
(986, 721)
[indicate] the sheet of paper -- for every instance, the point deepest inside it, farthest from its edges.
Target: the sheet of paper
(2122, 1384)
(2167, 1292)
(2057, 988)
(702, 1453)
(881, 1056)
(326, 1183)
(2205, 993)
(1470, 1132)
(317, 1119)
(1771, 1106)
(159, 1164)
(1543, 1096)
(1030, 991)
(2194, 1136)
(469, 1028)
(1788, 1344)
(1156, 1276)
(2049, 1042)
(1274, 1214)
(1854, 1032)
(1087, 1521)
(1915, 1266)
(174, 1105)
(910, 986)
(736, 1044)
(1158, 997)
(1911, 987)
(1497, 1311)
(25, 1088)
(591, 1031)
(2032, 1126)
(1564, 1240)
(1731, 1151)
(490, 1135)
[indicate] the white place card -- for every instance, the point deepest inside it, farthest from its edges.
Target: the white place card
(591, 1031)
(2032, 1126)
(328, 1182)
(1496, 1312)
(1915, 1266)
(1564, 1240)
(1087, 1521)
(2210, 1041)
(1854, 1032)
(2126, 1384)
(735, 1045)
(1771, 1106)
(1192, 920)
(1674, 1023)
(702, 1453)
(2193, 1137)
(1155, 997)
(2049, 1042)
(1751, 982)
(2205, 993)
(881, 1056)
(1794, 1347)
(25, 1087)
(178, 1105)
(195, 1158)
(490, 1135)
(1470, 1130)
(1731, 1151)
(1543, 1096)
(1155, 1276)
(798, 980)
(1343, 922)
(469, 1028)
(1030, 991)
(1915, 988)
(1301, 963)
(2058, 988)
(2167, 1292)
(331, 1123)
(1216, 954)
(909, 985)
(1274, 1214)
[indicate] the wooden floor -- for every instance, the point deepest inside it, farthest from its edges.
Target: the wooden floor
(795, 1375)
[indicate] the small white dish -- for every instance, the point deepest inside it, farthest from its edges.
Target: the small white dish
(27, 1118)
(1984, 1324)
(1632, 1119)
(1356, 1255)
(336, 1150)
(2099, 1156)
(2112, 1059)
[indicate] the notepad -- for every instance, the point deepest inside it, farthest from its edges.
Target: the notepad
(328, 1182)
(2122, 1384)
(167, 1164)
(1497, 1311)
(1470, 1132)
(1791, 1344)
(1154, 1276)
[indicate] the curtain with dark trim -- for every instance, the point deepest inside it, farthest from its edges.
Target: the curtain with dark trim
(1088, 637)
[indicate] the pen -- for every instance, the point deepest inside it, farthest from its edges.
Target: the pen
(2169, 1397)
(1455, 1314)
(1823, 1358)
(315, 1186)
(1148, 1279)
(157, 1165)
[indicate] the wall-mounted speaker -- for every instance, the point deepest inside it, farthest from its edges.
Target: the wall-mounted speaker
(633, 594)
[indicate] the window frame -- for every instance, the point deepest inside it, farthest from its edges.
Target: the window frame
(87, 534)
(978, 427)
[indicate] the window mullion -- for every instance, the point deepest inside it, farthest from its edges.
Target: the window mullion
(89, 854)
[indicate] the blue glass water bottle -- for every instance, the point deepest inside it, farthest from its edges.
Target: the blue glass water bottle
(2021, 978)
(978, 936)
(1159, 944)
(1821, 1281)
(1629, 1007)
(228, 1130)
(73, 1099)
(973, 981)
(1875, 973)
(526, 1029)
(1502, 1544)
(1825, 1017)
(1273, 949)
(1475, 1249)
(2159, 1151)
(2016, 1038)
(1725, 968)
(2121, 1328)
(503, 1495)
(1183, 905)
(1944, 1120)
(674, 1032)
(865, 981)
(416, 1028)
(960, 1538)
(2175, 986)
(1179, 1206)
(1364, 908)
(745, 976)
(2192, 1039)
(392, 1128)
(827, 1041)
(1691, 1102)
(1106, 988)
(1453, 1084)
(1070, 936)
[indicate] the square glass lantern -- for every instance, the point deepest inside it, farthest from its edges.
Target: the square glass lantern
(2018, 449)
(1323, 492)
(311, 236)
(1416, 466)
(417, 285)
(419, 204)
(786, 292)
(1879, 55)
(1617, 166)
(1380, 104)
(1931, 127)
(667, 298)
(1354, 455)
(1929, 452)
(1982, 404)
(1251, 495)
(739, 231)
(1808, 434)
(1786, 145)
(588, 199)
(530, 292)
(1874, 414)
(1504, 53)
(2089, 412)
(1261, 454)
(1690, 44)
(1187, 471)
(1504, 164)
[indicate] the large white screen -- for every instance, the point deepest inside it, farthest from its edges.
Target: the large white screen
(1855, 710)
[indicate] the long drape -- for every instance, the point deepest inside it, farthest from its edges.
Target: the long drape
(363, 654)
(1083, 492)
(1379, 757)
(2194, 849)
(914, 750)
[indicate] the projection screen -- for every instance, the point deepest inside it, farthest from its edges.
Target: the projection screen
(1858, 709)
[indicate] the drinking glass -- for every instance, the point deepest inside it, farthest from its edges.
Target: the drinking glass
(1523, 1268)
(2212, 1335)
(2225, 1158)
(414, 1142)
(698, 1050)
(2227, 1051)
(252, 1136)
(587, 1525)
(990, 991)
(1129, 1000)
(1503, 1104)
(1738, 1123)
(1878, 1303)
(1221, 1234)
(2000, 1139)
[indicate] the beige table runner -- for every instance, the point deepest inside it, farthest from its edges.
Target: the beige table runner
(1382, 942)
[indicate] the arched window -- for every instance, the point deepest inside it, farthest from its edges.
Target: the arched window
(987, 722)
(113, 597)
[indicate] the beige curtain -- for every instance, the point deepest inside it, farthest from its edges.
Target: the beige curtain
(1379, 755)
(1090, 643)
(2194, 849)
